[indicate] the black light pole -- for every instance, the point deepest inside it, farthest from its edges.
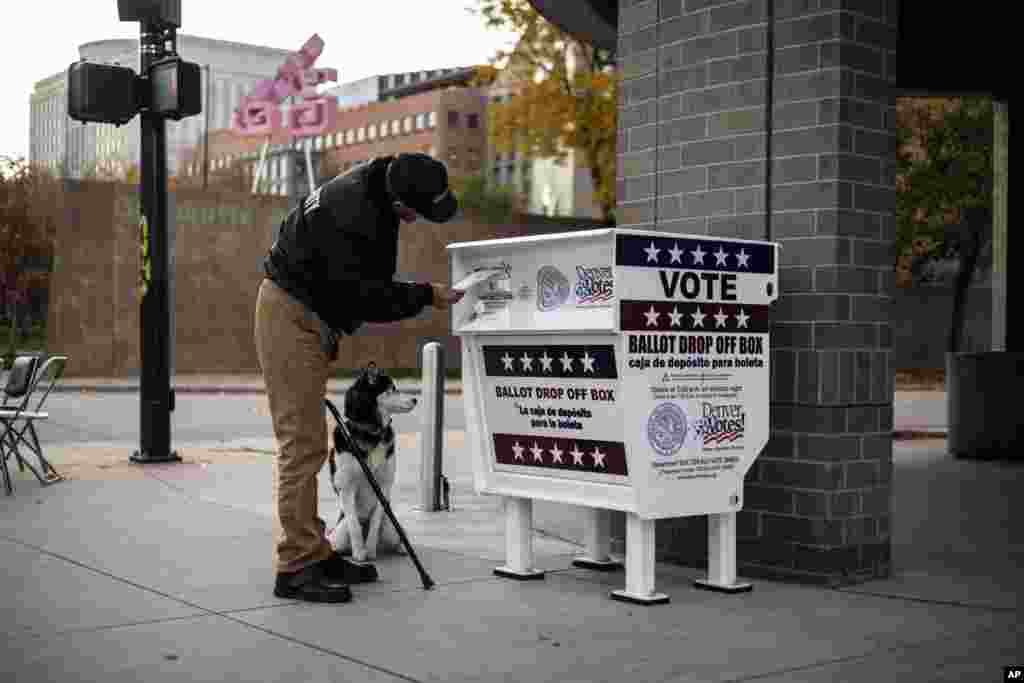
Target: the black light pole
(155, 43)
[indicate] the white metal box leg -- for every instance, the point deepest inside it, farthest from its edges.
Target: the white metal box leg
(639, 563)
(597, 537)
(722, 556)
(519, 541)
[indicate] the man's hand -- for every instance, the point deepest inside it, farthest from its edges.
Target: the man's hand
(444, 296)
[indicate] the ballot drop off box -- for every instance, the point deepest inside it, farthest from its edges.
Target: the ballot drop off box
(616, 369)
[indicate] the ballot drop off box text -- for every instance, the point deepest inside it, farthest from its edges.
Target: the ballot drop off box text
(622, 370)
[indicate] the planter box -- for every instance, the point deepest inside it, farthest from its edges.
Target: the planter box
(982, 390)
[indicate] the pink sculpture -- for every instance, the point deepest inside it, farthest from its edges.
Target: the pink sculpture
(257, 117)
(313, 117)
(258, 113)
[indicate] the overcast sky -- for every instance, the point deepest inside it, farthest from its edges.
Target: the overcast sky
(41, 38)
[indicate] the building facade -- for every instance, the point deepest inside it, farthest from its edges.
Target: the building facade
(448, 124)
(385, 87)
(70, 148)
(549, 187)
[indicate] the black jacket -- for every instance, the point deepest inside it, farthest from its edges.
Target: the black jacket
(337, 253)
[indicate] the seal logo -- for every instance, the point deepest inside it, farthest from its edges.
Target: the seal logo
(666, 429)
(552, 288)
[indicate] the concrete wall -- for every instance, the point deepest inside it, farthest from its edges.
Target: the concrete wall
(220, 243)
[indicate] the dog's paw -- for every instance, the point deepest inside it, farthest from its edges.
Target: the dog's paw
(360, 555)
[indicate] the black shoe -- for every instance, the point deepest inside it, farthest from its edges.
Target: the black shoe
(338, 568)
(311, 584)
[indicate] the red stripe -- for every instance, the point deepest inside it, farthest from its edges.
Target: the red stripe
(614, 453)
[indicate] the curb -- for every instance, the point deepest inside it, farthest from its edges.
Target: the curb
(917, 434)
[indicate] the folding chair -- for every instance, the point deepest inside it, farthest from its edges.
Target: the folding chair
(17, 420)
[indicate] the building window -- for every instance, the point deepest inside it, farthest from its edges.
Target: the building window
(372, 131)
(396, 127)
(407, 124)
(361, 135)
(319, 142)
(472, 120)
(453, 119)
(399, 79)
(350, 137)
(420, 121)
(384, 129)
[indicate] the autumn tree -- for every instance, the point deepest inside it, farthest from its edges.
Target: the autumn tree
(28, 204)
(565, 95)
(945, 182)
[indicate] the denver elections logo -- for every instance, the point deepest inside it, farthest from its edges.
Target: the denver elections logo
(720, 424)
(552, 288)
(594, 286)
(666, 429)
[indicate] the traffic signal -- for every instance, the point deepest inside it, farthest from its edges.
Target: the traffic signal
(102, 93)
(166, 13)
(175, 90)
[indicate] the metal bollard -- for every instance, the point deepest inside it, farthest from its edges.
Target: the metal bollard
(433, 427)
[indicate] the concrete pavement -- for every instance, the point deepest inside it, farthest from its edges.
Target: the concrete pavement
(163, 572)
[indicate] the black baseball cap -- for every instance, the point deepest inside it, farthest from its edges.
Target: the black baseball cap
(421, 182)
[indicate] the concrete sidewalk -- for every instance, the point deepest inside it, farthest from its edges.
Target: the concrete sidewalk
(165, 575)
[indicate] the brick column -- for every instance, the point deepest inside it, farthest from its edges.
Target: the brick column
(692, 148)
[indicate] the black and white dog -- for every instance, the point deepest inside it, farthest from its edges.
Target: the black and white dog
(369, 404)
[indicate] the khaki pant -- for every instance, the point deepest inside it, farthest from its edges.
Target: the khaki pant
(295, 369)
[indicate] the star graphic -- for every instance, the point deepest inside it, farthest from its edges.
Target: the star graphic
(598, 457)
(652, 317)
(508, 360)
(588, 362)
(720, 319)
(720, 256)
(518, 450)
(698, 255)
(652, 253)
(545, 361)
(577, 455)
(741, 319)
(526, 361)
(698, 318)
(742, 258)
(676, 316)
(566, 362)
(556, 454)
(677, 253)
(537, 453)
